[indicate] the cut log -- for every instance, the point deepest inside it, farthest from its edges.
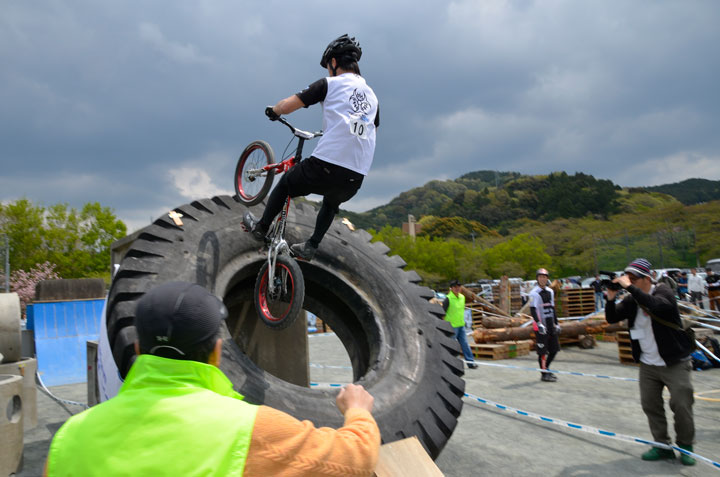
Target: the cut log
(501, 322)
(568, 330)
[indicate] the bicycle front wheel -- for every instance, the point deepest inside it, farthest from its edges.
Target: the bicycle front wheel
(251, 182)
(279, 303)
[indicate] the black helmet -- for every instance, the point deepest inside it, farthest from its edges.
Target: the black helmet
(339, 47)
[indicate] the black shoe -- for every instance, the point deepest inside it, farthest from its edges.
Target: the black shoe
(551, 377)
(545, 377)
(253, 226)
(472, 365)
(303, 251)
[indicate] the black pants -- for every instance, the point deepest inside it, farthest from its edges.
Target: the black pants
(313, 176)
(547, 346)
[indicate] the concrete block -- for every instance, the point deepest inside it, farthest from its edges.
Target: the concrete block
(25, 368)
(11, 423)
(10, 337)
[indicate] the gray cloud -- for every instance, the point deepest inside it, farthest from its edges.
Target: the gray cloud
(139, 105)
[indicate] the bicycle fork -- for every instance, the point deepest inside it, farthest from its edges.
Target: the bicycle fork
(277, 246)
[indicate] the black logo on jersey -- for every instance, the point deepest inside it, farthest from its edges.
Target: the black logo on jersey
(359, 102)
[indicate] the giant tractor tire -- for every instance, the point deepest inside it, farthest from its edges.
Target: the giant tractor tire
(401, 349)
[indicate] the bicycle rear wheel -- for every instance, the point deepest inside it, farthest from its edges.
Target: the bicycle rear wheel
(252, 186)
(278, 304)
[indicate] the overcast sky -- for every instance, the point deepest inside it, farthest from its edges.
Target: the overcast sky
(146, 105)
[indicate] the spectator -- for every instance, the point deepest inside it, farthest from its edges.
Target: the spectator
(682, 283)
(663, 351)
(696, 287)
(454, 306)
(545, 324)
(597, 287)
(667, 280)
(713, 289)
(177, 413)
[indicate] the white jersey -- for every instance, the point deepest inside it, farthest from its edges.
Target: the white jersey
(545, 310)
(349, 110)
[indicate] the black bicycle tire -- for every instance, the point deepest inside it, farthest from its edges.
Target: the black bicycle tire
(296, 298)
(250, 200)
(400, 348)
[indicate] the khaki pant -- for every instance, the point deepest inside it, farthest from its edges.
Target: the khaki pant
(714, 297)
(677, 379)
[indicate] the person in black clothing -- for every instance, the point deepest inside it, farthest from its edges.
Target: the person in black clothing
(597, 287)
(663, 351)
(545, 324)
(713, 289)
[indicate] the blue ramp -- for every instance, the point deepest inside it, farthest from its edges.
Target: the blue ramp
(61, 329)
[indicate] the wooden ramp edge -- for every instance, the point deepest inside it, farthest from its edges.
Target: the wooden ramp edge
(405, 458)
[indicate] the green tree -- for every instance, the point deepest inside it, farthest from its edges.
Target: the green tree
(522, 254)
(76, 243)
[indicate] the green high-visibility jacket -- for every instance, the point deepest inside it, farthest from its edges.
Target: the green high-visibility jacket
(171, 417)
(455, 313)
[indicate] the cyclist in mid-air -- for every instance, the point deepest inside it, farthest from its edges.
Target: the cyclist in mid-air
(343, 154)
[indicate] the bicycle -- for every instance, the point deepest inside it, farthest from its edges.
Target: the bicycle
(280, 287)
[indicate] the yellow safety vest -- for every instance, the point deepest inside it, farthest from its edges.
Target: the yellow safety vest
(170, 418)
(455, 313)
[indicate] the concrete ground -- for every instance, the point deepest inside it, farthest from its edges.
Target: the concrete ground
(488, 441)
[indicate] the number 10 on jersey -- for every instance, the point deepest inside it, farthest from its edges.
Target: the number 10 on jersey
(359, 128)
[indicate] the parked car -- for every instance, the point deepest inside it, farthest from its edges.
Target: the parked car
(713, 265)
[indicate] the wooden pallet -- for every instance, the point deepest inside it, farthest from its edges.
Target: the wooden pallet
(576, 301)
(490, 351)
(625, 348)
(517, 348)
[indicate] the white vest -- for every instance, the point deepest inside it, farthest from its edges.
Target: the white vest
(349, 111)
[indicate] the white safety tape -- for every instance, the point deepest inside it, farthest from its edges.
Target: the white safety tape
(524, 368)
(329, 366)
(60, 400)
(591, 430)
(571, 373)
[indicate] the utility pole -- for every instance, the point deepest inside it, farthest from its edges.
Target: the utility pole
(627, 247)
(595, 253)
(662, 260)
(7, 264)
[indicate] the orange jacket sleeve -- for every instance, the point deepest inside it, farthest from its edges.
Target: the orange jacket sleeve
(284, 446)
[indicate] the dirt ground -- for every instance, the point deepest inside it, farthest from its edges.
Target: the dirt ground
(489, 441)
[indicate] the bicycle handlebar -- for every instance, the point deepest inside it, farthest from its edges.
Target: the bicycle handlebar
(299, 132)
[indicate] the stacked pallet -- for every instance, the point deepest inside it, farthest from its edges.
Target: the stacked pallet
(576, 301)
(624, 348)
(501, 349)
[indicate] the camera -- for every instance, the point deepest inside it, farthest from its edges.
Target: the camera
(606, 280)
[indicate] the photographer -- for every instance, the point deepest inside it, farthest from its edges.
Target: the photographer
(663, 351)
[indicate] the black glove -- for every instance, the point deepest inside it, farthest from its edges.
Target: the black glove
(272, 115)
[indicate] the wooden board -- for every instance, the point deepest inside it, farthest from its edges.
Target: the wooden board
(405, 458)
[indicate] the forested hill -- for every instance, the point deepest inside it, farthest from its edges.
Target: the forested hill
(498, 198)
(690, 191)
